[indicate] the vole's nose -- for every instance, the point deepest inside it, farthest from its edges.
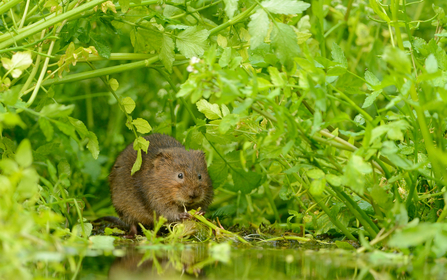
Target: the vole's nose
(193, 195)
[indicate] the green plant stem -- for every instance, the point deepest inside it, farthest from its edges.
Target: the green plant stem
(333, 219)
(170, 101)
(269, 196)
(129, 118)
(216, 228)
(81, 218)
(196, 10)
(44, 69)
(410, 196)
(25, 47)
(33, 72)
(22, 22)
(119, 56)
(7, 39)
(326, 210)
(232, 21)
(8, 5)
(431, 150)
(352, 103)
(297, 238)
(443, 214)
(394, 13)
(364, 219)
(102, 72)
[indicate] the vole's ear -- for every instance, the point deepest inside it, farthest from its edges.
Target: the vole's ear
(200, 154)
(161, 157)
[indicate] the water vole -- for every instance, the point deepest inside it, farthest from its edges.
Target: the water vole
(171, 181)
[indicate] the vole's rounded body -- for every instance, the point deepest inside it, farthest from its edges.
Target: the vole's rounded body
(171, 181)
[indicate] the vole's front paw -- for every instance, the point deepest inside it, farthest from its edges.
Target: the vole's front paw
(201, 213)
(184, 216)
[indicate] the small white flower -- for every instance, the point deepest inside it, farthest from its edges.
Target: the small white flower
(194, 60)
(190, 68)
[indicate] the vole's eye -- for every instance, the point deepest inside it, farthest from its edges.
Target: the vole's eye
(200, 176)
(180, 175)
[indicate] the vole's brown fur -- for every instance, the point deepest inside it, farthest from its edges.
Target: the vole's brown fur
(171, 181)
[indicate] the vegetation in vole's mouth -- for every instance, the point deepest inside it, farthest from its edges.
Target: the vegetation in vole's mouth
(323, 122)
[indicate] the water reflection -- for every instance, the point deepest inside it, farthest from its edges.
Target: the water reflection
(158, 263)
(206, 261)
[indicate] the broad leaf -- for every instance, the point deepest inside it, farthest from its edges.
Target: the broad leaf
(258, 28)
(192, 41)
(285, 44)
(285, 7)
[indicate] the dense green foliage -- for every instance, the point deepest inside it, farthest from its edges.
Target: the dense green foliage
(323, 117)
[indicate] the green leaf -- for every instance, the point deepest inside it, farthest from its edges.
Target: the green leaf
(93, 145)
(334, 180)
(381, 197)
(63, 167)
(276, 77)
(354, 175)
(79, 126)
(100, 242)
(19, 62)
(338, 55)
(225, 110)
(431, 64)
(113, 83)
(67, 129)
(24, 155)
(302, 36)
(390, 150)
(128, 104)
(379, 10)
(398, 59)
(245, 181)
(192, 41)
(137, 165)
(57, 110)
(211, 111)
(258, 28)
(141, 144)
(187, 87)
(167, 55)
(28, 185)
(124, 5)
(228, 122)
(46, 128)
(225, 57)
(100, 45)
(392, 129)
(285, 44)
(113, 231)
(413, 236)
(372, 79)
(317, 187)
(371, 98)
(142, 125)
(230, 7)
(10, 96)
(285, 7)
(88, 227)
(344, 245)
(336, 71)
(315, 173)
(218, 171)
(146, 38)
(44, 150)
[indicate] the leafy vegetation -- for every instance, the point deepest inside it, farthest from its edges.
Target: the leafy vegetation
(318, 117)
